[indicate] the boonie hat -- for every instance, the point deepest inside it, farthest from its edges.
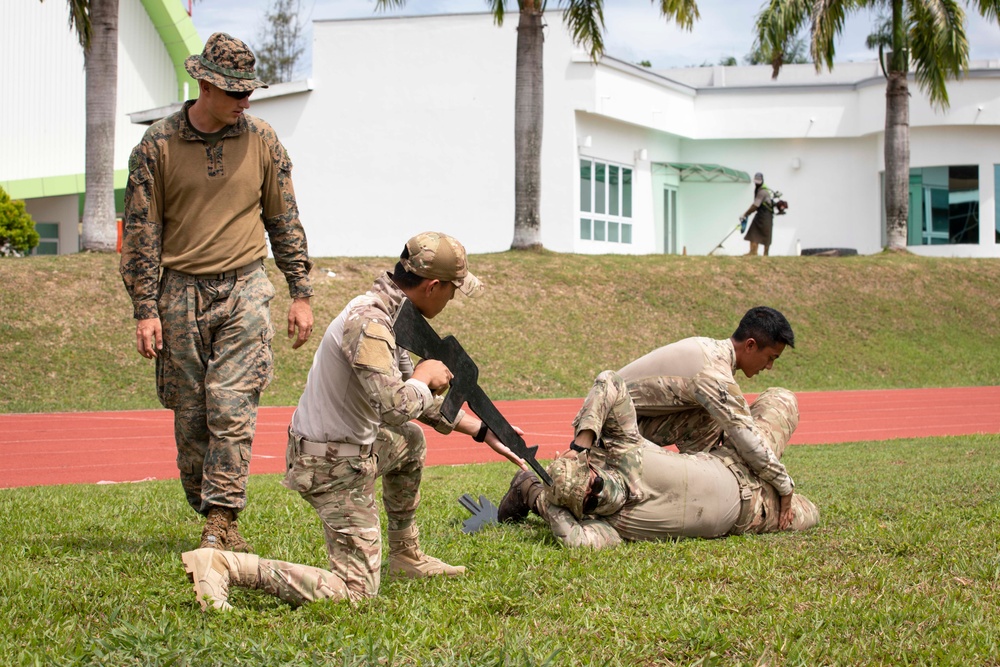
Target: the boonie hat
(570, 475)
(440, 257)
(225, 62)
(758, 178)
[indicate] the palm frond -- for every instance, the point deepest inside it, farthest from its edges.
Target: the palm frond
(776, 27)
(828, 17)
(79, 21)
(498, 9)
(585, 20)
(682, 12)
(988, 9)
(939, 48)
(386, 5)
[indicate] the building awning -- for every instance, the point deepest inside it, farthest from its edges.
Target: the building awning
(703, 173)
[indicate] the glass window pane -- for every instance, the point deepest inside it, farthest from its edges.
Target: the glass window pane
(996, 198)
(47, 248)
(47, 230)
(612, 190)
(626, 233)
(613, 232)
(963, 204)
(599, 180)
(598, 230)
(626, 193)
(584, 228)
(585, 186)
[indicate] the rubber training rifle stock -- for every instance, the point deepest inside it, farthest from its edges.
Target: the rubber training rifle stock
(415, 334)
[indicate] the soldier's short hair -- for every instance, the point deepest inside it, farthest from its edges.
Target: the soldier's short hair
(766, 326)
(405, 279)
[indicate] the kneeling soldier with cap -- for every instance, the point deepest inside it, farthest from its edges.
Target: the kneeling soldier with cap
(353, 425)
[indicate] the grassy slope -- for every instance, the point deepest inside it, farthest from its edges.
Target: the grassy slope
(548, 323)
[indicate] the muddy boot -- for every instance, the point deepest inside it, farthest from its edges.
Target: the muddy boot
(407, 560)
(521, 497)
(235, 541)
(212, 571)
(213, 535)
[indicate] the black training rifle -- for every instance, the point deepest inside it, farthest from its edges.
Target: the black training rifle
(415, 334)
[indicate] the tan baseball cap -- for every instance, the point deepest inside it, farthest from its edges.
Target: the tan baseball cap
(570, 475)
(440, 257)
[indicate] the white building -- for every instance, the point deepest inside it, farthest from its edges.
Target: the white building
(42, 136)
(407, 124)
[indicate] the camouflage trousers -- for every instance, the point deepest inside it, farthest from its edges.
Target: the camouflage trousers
(608, 411)
(342, 491)
(775, 414)
(216, 359)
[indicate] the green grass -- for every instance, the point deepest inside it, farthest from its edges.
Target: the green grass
(903, 569)
(547, 324)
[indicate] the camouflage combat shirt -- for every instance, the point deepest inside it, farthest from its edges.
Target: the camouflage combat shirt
(691, 382)
(203, 208)
(360, 379)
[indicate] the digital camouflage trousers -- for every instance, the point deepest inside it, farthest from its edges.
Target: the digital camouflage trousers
(216, 359)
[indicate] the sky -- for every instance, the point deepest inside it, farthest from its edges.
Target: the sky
(635, 31)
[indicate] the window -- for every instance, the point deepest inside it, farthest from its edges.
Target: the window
(48, 243)
(996, 199)
(606, 199)
(944, 205)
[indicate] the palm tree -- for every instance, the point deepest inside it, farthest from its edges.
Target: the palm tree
(928, 35)
(96, 25)
(585, 20)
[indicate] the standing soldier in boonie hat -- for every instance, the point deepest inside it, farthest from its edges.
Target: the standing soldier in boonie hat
(353, 425)
(205, 184)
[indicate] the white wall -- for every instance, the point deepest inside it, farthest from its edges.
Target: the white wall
(42, 62)
(409, 128)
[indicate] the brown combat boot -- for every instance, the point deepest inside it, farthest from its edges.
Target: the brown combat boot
(521, 497)
(407, 560)
(235, 541)
(213, 535)
(212, 571)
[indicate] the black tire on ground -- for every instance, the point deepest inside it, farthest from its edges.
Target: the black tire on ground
(829, 252)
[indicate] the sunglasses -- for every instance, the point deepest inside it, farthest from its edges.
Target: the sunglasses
(238, 94)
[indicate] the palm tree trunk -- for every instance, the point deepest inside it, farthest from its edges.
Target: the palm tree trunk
(897, 136)
(528, 114)
(101, 66)
(897, 159)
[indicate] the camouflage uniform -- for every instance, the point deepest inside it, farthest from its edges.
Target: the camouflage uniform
(213, 307)
(649, 493)
(359, 399)
(685, 394)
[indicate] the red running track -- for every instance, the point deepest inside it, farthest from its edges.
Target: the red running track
(95, 447)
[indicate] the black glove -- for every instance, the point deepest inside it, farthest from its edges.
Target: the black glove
(743, 224)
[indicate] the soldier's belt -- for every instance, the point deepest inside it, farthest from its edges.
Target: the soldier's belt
(235, 273)
(332, 450)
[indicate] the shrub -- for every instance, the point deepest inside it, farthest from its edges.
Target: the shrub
(17, 229)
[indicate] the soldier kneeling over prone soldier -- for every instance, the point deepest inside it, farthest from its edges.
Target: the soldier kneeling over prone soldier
(615, 485)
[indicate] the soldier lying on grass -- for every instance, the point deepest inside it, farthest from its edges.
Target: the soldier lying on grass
(615, 485)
